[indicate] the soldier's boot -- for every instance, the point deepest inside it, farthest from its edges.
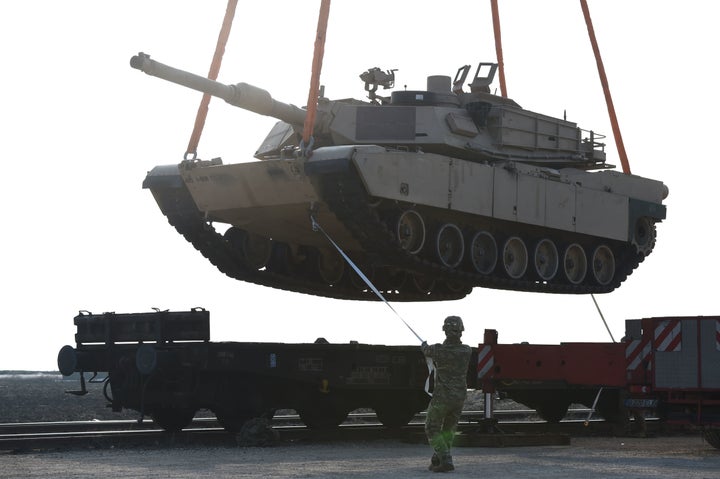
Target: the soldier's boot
(434, 461)
(445, 465)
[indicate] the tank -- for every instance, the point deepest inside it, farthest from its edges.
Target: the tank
(430, 193)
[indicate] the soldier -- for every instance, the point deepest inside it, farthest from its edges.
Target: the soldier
(451, 360)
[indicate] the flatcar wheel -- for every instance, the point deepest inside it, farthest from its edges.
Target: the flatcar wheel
(712, 436)
(394, 416)
(546, 259)
(423, 284)
(232, 420)
(449, 245)
(603, 265)
(410, 231)
(575, 263)
(483, 252)
(552, 411)
(322, 417)
(256, 250)
(172, 419)
(515, 257)
(331, 266)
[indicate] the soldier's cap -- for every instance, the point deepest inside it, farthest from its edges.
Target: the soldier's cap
(453, 323)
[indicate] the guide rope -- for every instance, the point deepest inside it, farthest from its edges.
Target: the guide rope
(317, 227)
(430, 364)
(603, 318)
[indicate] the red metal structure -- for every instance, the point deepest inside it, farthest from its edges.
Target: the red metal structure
(667, 365)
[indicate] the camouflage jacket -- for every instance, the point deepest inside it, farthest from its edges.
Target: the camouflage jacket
(451, 366)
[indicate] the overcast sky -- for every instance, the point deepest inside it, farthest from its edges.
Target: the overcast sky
(80, 129)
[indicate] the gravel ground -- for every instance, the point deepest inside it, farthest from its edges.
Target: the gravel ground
(42, 398)
(684, 457)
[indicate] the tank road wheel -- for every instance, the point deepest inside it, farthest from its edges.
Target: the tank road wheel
(410, 231)
(391, 279)
(603, 265)
(456, 287)
(423, 284)
(331, 266)
(483, 252)
(546, 259)
(515, 257)
(644, 235)
(172, 419)
(575, 263)
(368, 270)
(256, 250)
(449, 245)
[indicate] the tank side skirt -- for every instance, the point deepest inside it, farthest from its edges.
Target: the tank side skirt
(345, 195)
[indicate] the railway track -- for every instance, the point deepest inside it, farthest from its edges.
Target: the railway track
(20, 437)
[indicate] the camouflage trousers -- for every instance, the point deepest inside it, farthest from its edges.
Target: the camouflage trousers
(441, 423)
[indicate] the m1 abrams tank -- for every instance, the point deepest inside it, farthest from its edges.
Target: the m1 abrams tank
(431, 193)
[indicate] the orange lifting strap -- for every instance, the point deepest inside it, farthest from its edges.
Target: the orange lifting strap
(315, 77)
(191, 152)
(606, 89)
(498, 46)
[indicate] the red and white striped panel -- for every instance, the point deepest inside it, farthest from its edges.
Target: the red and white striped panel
(486, 360)
(636, 352)
(668, 335)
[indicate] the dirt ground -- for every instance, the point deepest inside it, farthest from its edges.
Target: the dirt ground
(588, 458)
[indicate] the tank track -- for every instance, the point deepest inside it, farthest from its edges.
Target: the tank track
(178, 207)
(348, 200)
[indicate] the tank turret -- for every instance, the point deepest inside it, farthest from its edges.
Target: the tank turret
(432, 192)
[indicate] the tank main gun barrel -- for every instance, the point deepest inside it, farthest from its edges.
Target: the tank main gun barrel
(240, 95)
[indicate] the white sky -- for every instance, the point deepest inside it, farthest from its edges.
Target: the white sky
(80, 129)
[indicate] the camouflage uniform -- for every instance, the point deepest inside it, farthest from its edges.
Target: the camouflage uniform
(451, 360)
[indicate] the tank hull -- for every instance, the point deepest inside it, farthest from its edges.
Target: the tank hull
(421, 226)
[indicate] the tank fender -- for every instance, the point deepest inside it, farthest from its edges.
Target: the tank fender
(163, 176)
(335, 159)
(640, 208)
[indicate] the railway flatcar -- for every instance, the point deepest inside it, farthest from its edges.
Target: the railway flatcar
(163, 365)
(667, 366)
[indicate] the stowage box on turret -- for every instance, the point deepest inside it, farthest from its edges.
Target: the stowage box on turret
(430, 193)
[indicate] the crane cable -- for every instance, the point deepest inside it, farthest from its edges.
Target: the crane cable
(606, 90)
(202, 112)
(313, 94)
